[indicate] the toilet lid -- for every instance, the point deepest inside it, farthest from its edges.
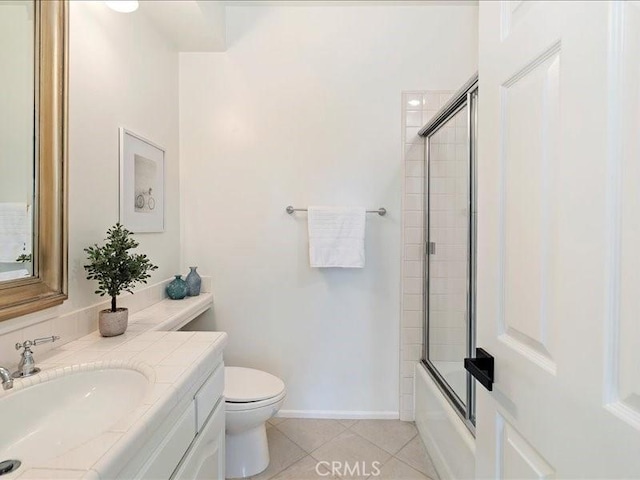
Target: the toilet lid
(249, 385)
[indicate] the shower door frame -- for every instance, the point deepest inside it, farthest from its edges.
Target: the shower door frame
(467, 96)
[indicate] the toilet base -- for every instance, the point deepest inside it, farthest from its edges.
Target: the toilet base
(247, 452)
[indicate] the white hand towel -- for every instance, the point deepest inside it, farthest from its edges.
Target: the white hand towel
(336, 236)
(15, 231)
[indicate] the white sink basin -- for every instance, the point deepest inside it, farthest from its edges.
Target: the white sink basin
(45, 420)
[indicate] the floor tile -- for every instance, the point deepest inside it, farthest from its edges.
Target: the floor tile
(309, 433)
(306, 469)
(276, 420)
(394, 469)
(351, 448)
(348, 422)
(415, 455)
(390, 435)
(283, 453)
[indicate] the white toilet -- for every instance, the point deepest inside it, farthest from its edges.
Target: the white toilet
(251, 398)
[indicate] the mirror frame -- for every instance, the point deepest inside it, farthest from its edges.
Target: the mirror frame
(49, 285)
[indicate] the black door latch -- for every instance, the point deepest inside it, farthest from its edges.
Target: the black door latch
(481, 367)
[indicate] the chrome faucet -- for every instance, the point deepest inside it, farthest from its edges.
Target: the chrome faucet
(27, 365)
(7, 381)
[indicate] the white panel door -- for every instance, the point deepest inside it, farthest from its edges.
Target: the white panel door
(559, 239)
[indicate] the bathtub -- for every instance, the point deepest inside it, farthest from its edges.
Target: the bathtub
(454, 374)
(449, 442)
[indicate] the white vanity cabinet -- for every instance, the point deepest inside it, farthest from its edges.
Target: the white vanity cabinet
(189, 445)
(205, 458)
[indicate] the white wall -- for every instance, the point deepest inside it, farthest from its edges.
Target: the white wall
(305, 108)
(122, 73)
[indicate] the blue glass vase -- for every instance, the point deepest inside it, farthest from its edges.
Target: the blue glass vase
(177, 289)
(194, 282)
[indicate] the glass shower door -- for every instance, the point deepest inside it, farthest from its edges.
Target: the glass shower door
(450, 259)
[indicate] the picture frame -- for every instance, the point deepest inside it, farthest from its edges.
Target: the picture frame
(142, 183)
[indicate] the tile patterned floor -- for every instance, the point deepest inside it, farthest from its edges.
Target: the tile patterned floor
(297, 446)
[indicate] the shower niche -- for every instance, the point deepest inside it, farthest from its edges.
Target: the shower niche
(450, 260)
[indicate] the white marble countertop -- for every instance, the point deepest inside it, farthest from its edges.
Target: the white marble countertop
(175, 363)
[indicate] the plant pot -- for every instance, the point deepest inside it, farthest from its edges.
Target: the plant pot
(111, 324)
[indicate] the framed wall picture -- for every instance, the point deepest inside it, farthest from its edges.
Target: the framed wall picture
(141, 184)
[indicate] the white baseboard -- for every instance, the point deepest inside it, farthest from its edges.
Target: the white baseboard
(338, 414)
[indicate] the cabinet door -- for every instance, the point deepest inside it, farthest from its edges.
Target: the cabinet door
(176, 442)
(205, 458)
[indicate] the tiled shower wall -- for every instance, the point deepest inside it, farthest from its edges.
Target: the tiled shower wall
(418, 108)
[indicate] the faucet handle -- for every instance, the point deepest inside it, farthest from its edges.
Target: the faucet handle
(27, 365)
(32, 343)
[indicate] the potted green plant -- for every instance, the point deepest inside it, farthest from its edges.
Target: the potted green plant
(116, 270)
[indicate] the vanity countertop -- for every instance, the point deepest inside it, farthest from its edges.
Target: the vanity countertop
(175, 363)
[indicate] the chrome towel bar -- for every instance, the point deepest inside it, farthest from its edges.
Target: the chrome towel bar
(381, 211)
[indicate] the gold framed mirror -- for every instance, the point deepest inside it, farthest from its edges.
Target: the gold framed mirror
(45, 282)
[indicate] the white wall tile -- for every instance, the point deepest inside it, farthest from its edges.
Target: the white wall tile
(413, 118)
(408, 367)
(413, 219)
(413, 252)
(407, 386)
(413, 236)
(446, 151)
(412, 353)
(411, 135)
(407, 403)
(414, 168)
(431, 101)
(414, 185)
(414, 202)
(412, 318)
(414, 152)
(413, 286)
(412, 302)
(412, 101)
(413, 268)
(412, 335)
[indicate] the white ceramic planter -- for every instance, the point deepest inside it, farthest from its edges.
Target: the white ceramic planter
(111, 324)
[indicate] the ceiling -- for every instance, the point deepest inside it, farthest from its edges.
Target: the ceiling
(200, 25)
(191, 25)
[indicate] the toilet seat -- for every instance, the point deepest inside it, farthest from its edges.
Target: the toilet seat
(248, 389)
(242, 406)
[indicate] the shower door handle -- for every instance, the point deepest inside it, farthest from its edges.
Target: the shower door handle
(481, 367)
(431, 248)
